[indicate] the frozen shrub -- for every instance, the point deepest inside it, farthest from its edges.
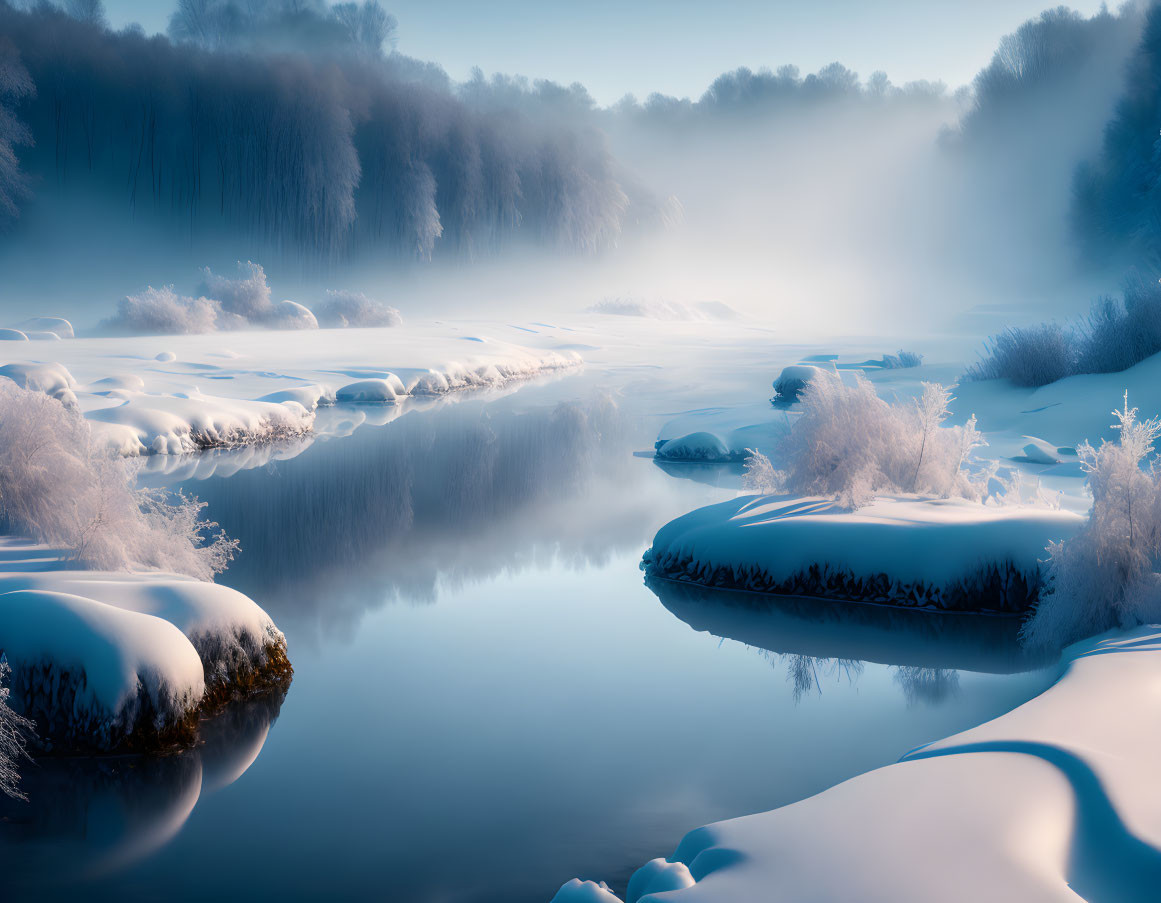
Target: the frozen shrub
(850, 444)
(343, 309)
(161, 311)
(58, 488)
(1028, 356)
(1114, 336)
(1105, 576)
(14, 732)
(902, 361)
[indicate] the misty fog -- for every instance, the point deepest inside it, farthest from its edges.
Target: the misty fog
(300, 136)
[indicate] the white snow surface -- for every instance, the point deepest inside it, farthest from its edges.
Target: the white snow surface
(1058, 800)
(172, 636)
(188, 394)
(933, 541)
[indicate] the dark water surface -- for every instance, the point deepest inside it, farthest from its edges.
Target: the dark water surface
(488, 700)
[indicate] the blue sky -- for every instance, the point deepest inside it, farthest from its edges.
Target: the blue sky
(678, 46)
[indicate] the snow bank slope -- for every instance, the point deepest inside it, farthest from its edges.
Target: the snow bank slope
(1059, 800)
(107, 659)
(940, 554)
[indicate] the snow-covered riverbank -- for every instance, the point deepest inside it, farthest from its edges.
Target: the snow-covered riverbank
(1055, 801)
(149, 395)
(103, 660)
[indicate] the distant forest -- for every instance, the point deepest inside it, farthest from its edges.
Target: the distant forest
(297, 124)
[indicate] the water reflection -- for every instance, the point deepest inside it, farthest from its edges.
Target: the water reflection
(824, 639)
(335, 421)
(429, 503)
(90, 817)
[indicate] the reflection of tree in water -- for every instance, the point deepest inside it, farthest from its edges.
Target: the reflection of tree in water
(431, 500)
(929, 686)
(806, 672)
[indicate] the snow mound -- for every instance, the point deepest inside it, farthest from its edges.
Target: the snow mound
(42, 336)
(577, 891)
(793, 379)
(51, 379)
(130, 381)
(1040, 452)
(165, 356)
(310, 397)
(291, 315)
(941, 554)
(145, 424)
(105, 659)
(700, 446)
(91, 674)
(12, 335)
(59, 326)
(656, 877)
(234, 638)
(371, 391)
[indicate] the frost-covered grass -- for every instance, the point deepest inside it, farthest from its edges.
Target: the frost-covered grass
(1106, 576)
(1116, 334)
(850, 444)
(59, 487)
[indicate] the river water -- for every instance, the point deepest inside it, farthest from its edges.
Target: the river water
(488, 699)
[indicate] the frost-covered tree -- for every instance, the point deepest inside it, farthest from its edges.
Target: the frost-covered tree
(58, 487)
(15, 730)
(1106, 575)
(90, 11)
(368, 25)
(15, 85)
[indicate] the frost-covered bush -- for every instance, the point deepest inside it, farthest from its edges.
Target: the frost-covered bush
(343, 308)
(58, 487)
(14, 733)
(850, 444)
(224, 304)
(247, 296)
(1106, 576)
(1116, 334)
(161, 311)
(759, 474)
(1028, 355)
(902, 361)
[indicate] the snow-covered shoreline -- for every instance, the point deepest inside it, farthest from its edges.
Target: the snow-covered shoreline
(1055, 801)
(938, 554)
(174, 395)
(109, 661)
